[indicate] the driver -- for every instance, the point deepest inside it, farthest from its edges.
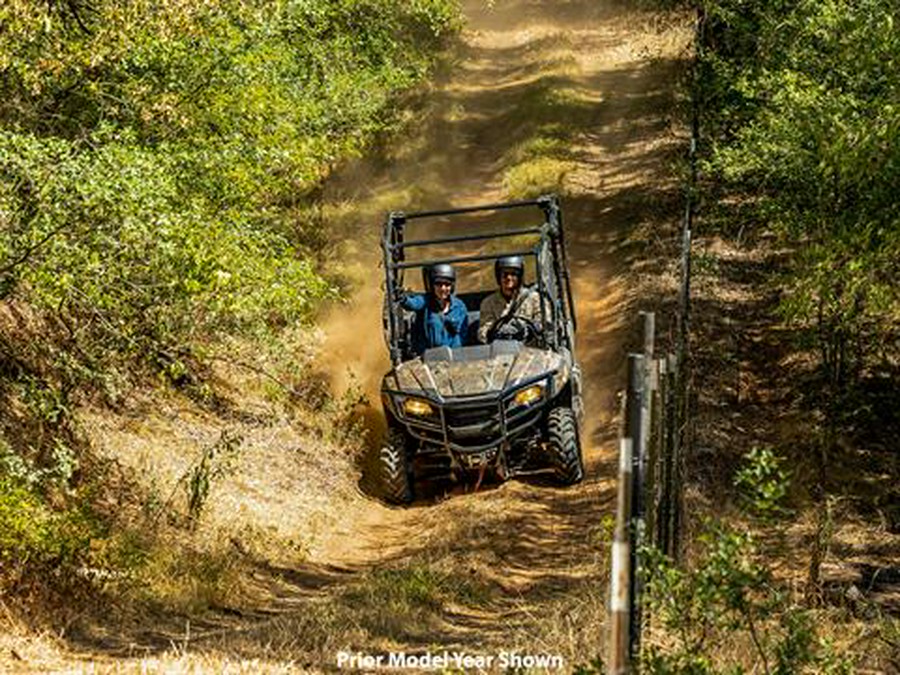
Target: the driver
(441, 318)
(514, 310)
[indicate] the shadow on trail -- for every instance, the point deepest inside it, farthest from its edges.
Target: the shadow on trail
(503, 567)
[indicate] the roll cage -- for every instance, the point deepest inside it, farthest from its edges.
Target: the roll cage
(549, 252)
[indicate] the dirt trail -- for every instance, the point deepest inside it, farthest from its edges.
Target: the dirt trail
(602, 77)
(606, 74)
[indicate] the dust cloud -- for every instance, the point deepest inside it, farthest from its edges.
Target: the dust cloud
(354, 353)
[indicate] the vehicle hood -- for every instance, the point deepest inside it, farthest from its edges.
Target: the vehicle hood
(470, 371)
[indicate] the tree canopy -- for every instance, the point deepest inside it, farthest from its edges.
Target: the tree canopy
(804, 114)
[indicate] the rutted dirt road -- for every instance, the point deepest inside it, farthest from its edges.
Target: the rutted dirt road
(600, 78)
(573, 95)
(606, 75)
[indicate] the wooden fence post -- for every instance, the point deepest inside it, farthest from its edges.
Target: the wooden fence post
(673, 483)
(648, 427)
(662, 421)
(634, 430)
(620, 559)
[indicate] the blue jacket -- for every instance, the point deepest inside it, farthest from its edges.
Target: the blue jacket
(432, 328)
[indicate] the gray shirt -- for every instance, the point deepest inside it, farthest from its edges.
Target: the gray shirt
(495, 306)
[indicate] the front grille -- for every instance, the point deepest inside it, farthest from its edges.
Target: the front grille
(473, 425)
(469, 426)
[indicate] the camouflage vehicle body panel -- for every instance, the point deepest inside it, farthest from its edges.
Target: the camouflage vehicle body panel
(474, 371)
(471, 394)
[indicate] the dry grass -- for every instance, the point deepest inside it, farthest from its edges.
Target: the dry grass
(749, 374)
(535, 177)
(270, 497)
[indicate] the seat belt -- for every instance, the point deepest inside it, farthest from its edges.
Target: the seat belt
(506, 318)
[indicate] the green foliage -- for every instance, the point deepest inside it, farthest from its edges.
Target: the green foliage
(764, 482)
(153, 167)
(46, 458)
(156, 160)
(414, 588)
(541, 161)
(216, 461)
(34, 538)
(535, 177)
(131, 267)
(802, 103)
(24, 522)
(728, 598)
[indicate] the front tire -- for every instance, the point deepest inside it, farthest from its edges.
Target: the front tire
(395, 469)
(564, 447)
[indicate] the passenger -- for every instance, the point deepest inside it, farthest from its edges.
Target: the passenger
(441, 318)
(514, 310)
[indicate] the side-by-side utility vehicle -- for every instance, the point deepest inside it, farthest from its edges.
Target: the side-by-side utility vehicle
(506, 407)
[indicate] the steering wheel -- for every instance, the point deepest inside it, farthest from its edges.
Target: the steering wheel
(517, 328)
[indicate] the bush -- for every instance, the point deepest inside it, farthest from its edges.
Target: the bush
(35, 540)
(728, 599)
(156, 158)
(763, 482)
(153, 165)
(801, 113)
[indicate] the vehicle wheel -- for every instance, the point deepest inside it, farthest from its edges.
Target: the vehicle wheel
(565, 450)
(395, 469)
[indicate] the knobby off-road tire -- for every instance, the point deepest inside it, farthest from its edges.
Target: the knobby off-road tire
(395, 474)
(563, 445)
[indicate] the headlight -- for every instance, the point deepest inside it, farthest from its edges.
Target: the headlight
(529, 395)
(417, 407)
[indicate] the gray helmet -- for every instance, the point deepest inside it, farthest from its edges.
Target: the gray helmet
(437, 271)
(509, 262)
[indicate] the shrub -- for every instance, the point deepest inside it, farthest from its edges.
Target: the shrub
(156, 158)
(728, 598)
(801, 114)
(36, 540)
(152, 166)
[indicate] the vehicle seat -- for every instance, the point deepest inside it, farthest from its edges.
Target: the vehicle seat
(472, 301)
(472, 332)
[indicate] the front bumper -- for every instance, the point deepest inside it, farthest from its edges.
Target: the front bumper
(474, 426)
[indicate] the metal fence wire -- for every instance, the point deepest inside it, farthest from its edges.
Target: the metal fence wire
(650, 488)
(656, 437)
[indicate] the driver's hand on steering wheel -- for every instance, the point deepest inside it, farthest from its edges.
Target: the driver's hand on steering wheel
(507, 332)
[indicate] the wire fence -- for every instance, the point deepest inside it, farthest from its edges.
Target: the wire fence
(656, 438)
(650, 487)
